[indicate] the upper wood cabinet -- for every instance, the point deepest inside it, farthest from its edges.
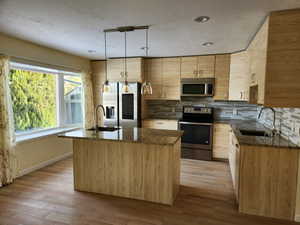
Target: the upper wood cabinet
(116, 70)
(239, 77)
(164, 75)
(222, 70)
(274, 61)
(198, 67)
(171, 78)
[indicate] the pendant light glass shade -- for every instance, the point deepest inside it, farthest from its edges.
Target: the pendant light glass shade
(146, 86)
(126, 88)
(106, 85)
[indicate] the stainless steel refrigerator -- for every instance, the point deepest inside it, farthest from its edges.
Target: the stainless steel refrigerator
(122, 109)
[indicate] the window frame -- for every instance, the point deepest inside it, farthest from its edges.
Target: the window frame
(60, 106)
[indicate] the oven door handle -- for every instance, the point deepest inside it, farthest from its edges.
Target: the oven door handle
(195, 123)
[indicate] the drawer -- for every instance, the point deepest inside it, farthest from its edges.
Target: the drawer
(161, 124)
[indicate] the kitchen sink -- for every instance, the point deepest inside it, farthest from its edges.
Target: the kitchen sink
(260, 133)
(103, 129)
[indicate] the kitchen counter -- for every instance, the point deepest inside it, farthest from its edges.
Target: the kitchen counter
(137, 163)
(276, 141)
(139, 135)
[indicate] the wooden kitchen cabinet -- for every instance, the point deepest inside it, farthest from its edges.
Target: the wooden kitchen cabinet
(265, 179)
(171, 78)
(239, 76)
(198, 67)
(221, 141)
(234, 162)
(163, 124)
(164, 75)
(189, 67)
(116, 70)
(222, 72)
(274, 61)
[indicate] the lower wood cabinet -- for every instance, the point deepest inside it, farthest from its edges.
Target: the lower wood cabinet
(265, 179)
(163, 124)
(221, 141)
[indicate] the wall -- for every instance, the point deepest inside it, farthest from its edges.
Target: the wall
(26, 50)
(286, 120)
(222, 109)
(38, 152)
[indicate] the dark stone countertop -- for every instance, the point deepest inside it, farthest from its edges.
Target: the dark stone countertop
(276, 141)
(138, 135)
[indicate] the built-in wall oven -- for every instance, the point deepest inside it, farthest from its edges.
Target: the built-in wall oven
(197, 124)
(197, 87)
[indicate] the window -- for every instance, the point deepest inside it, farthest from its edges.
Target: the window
(43, 98)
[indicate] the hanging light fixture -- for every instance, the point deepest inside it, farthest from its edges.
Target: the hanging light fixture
(106, 85)
(125, 86)
(146, 86)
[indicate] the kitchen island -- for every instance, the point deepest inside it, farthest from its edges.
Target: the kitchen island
(137, 163)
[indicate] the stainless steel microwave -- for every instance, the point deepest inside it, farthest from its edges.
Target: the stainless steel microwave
(197, 87)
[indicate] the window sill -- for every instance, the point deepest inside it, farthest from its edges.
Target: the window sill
(42, 134)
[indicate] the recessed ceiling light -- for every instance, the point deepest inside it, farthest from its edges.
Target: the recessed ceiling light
(202, 19)
(207, 44)
(91, 51)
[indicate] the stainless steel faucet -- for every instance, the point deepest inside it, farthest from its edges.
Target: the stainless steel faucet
(96, 114)
(274, 118)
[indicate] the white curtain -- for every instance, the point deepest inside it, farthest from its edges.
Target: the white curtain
(87, 84)
(7, 133)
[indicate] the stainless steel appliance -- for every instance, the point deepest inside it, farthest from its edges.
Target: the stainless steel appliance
(197, 124)
(122, 109)
(197, 87)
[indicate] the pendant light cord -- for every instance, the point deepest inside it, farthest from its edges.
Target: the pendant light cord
(105, 52)
(125, 40)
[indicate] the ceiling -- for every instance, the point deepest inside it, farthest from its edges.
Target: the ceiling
(75, 26)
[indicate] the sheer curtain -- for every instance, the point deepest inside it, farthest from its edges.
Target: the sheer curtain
(7, 133)
(87, 84)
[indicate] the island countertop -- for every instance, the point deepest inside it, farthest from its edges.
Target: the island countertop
(139, 135)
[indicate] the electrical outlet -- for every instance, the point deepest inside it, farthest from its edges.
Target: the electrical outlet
(297, 129)
(235, 111)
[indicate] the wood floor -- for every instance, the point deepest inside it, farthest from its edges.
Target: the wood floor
(47, 197)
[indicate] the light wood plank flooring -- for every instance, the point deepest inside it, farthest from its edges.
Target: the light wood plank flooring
(47, 197)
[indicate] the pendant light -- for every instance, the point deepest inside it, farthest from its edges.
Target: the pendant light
(146, 86)
(125, 86)
(106, 85)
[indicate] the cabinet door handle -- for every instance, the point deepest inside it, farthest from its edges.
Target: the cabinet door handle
(241, 97)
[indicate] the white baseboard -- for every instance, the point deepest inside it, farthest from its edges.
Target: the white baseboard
(44, 164)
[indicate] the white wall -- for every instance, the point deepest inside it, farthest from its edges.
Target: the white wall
(26, 50)
(35, 153)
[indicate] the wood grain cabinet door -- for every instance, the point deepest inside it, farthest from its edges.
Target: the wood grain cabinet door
(222, 70)
(135, 69)
(189, 67)
(171, 78)
(221, 141)
(154, 76)
(115, 68)
(239, 76)
(206, 66)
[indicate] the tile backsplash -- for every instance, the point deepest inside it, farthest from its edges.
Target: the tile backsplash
(287, 121)
(222, 109)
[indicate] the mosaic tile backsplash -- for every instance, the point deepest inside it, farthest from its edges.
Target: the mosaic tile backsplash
(222, 110)
(287, 119)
